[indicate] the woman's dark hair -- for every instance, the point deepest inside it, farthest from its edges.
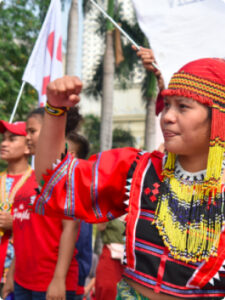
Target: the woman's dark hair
(73, 121)
(210, 113)
(81, 143)
(37, 111)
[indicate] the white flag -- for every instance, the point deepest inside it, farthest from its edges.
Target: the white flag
(182, 30)
(45, 62)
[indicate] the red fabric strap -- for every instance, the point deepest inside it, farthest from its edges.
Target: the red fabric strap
(161, 270)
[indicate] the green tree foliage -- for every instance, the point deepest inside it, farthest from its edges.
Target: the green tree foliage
(20, 22)
(122, 138)
(3, 163)
(91, 128)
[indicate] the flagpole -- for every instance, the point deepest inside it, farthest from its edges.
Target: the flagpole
(78, 71)
(119, 28)
(17, 102)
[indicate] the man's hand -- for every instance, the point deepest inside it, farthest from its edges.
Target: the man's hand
(148, 59)
(6, 220)
(64, 91)
(56, 289)
(8, 287)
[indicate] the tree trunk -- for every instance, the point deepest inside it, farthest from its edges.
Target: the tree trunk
(72, 38)
(150, 128)
(107, 99)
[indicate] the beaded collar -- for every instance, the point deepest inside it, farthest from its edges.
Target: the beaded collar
(188, 177)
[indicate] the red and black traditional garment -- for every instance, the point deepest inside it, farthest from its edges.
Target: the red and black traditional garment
(122, 181)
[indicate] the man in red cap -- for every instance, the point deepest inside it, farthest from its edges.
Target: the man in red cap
(15, 182)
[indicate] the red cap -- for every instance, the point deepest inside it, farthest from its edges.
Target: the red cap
(17, 128)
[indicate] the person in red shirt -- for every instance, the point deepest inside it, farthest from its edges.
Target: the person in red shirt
(45, 266)
(13, 182)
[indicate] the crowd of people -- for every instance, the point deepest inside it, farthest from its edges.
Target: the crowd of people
(161, 214)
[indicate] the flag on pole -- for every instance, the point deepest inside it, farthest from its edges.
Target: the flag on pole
(45, 62)
(182, 30)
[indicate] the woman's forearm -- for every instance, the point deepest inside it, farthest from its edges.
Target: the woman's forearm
(51, 143)
(61, 93)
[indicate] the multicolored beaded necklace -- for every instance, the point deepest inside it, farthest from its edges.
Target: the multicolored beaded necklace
(188, 216)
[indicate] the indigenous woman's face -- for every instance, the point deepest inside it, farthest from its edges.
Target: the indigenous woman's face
(33, 129)
(185, 124)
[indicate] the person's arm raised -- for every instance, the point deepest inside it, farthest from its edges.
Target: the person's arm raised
(61, 93)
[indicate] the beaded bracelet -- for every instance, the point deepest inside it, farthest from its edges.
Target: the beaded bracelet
(55, 111)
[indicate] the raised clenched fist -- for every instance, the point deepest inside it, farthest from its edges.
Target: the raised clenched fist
(64, 91)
